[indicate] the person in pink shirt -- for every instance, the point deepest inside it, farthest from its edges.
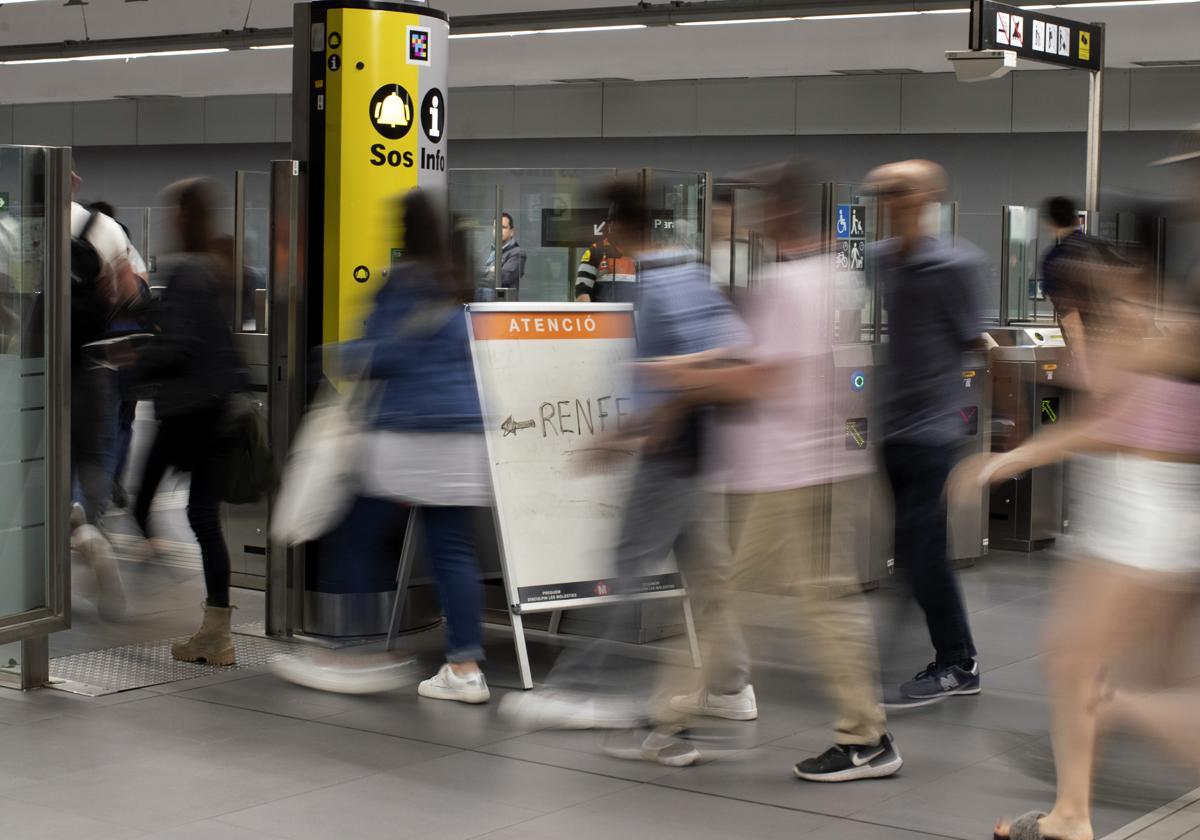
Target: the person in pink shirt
(777, 445)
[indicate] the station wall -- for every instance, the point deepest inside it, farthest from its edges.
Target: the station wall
(1011, 141)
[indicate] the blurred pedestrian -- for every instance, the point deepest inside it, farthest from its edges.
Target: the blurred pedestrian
(930, 293)
(424, 446)
(194, 368)
(1135, 576)
(103, 284)
(668, 508)
(778, 449)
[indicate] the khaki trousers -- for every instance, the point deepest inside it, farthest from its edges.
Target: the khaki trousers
(787, 545)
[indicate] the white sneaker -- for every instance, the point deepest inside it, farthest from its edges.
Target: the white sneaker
(569, 710)
(662, 746)
(97, 553)
(740, 706)
(447, 685)
(346, 674)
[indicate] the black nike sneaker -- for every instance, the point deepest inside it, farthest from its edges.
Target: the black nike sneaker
(850, 762)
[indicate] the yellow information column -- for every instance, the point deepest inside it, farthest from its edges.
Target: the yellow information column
(369, 117)
(373, 77)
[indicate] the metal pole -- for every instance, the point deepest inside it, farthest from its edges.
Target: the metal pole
(1095, 129)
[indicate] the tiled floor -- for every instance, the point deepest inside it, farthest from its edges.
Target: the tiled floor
(243, 755)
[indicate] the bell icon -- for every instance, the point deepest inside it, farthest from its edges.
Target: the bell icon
(392, 111)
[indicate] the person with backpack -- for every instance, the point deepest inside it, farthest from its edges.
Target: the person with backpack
(195, 370)
(102, 283)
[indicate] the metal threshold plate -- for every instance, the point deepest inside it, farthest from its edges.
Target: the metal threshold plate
(100, 672)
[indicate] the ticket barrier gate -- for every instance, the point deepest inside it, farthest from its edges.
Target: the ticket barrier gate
(864, 501)
(1028, 367)
(968, 537)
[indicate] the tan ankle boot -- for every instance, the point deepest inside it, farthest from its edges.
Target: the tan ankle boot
(212, 643)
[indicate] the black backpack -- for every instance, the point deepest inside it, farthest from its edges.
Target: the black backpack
(90, 310)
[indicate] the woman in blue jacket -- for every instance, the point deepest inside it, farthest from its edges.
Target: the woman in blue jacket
(424, 445)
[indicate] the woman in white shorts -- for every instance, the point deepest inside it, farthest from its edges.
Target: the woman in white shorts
(1135, 478)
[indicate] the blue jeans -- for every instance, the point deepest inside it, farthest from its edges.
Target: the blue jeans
(372, 534)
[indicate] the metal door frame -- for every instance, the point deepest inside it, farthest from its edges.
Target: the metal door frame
(33, 627)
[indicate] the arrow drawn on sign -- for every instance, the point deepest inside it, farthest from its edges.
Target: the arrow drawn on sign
(511, 426)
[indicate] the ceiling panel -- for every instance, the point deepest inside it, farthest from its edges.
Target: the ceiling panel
(803, 48)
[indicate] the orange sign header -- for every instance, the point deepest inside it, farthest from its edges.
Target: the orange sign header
(525, 326)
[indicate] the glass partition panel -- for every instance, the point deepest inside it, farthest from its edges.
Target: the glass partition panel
(1025, 299)
(677, 211)
(34, 363)
(557, 214)
(251, 238)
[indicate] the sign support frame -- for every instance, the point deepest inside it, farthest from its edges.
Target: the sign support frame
(515, 608)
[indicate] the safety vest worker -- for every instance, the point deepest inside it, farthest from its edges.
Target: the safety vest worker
(606, 275)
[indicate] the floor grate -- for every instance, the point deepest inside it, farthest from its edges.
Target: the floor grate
(100, 672)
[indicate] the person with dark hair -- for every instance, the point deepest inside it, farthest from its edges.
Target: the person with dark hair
(669, 506)
(512, 260)
(130, 320)
(195, 369)
(423, 446)
(606, 273)
(1061, 219)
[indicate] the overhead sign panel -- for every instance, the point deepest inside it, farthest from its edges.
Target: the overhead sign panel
(1035, 35)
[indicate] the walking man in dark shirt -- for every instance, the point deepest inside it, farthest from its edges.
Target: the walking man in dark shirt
(930, 295)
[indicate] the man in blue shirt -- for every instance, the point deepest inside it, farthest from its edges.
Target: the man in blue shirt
(667, 508)
(930, 293)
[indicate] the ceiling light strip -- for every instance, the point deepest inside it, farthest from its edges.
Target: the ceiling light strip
(116, 56)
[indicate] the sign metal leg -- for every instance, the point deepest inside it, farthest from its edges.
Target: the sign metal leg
(408, 553)
(518, 628)
(693, 640)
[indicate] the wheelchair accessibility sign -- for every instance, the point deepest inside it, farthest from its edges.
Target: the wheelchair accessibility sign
(851, 221)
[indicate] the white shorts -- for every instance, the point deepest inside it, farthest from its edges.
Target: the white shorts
(1136, 512)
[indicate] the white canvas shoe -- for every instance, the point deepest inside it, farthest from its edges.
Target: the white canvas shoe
(447, 685)
(740, 706)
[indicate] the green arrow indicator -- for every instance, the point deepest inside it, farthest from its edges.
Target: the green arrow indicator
(3, 201)
(1048, 411)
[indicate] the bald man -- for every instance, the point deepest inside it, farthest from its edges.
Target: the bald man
(930, 293)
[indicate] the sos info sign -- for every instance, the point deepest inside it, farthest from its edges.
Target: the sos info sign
(554, 382)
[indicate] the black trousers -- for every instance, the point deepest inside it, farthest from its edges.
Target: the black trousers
(918, 477)
(189, 444)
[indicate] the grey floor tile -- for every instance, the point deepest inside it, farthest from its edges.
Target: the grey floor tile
(268, 693)
(188, 719)
(505, 781)
(405, 714)
(185, 785)
(66, 744)
(1023, 677)
(851, 830)
(27, 821)
(1004, 711)
(647, 812)
(380, 806)
(211, 830)
(765, 776)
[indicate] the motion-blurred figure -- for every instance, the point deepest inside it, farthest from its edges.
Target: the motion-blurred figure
(667, 507)
(1136, 518)
(194, 368)
(929, 290)
(424, 446)
(607, 272)
(103, 284)
(778, 444)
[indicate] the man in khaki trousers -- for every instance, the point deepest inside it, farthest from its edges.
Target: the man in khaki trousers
(792, 552)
